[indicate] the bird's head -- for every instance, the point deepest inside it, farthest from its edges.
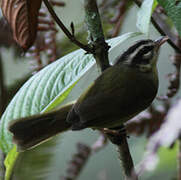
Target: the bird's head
(143, 54)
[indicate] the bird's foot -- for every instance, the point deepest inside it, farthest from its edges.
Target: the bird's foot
(115, 134)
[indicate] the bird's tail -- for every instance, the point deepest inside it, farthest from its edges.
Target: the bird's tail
(31, 131)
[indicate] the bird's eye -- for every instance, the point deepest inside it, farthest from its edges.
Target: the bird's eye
(147, 55)
(143, 55)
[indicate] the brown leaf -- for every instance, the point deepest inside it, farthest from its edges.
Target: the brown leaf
(22, 16)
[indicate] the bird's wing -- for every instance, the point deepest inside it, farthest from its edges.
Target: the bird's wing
(115, 94)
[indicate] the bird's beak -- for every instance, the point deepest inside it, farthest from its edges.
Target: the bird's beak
(161, 41)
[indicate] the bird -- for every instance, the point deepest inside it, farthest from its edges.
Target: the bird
(121, 92)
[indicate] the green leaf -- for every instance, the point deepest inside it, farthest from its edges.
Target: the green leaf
(173, 10)
(48, 88)
(9, 162)
(144, 15)
(43, 92)
(154, 5)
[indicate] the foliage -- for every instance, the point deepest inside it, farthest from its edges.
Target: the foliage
(48, 88)
(144, 15)
(23, 18)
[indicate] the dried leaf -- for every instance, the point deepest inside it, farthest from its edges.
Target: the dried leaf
(22, 16)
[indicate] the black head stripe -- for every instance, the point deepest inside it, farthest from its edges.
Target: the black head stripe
(139, 57)
(133, 48)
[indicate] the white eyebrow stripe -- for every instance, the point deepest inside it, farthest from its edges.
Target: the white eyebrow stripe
(138, 49)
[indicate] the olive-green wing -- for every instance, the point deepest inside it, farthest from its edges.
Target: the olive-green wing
(119, 93)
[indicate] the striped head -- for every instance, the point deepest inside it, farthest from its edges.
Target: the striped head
(142, 54)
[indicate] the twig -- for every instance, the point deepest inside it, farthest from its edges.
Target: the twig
(96, 35)
(162, 28)
(65, 30)
(125, 157)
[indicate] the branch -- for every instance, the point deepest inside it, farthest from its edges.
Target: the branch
(119, 138)
(96, 38)
(96, 35)
(65, 30)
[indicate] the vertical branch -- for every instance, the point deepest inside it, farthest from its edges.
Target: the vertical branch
(96, 38)
(96, 35)
(119, 138)
(125, 157)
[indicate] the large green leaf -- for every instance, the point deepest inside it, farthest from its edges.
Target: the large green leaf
(48, 87)
(43, 92)
(144, 15)
(173, 10)
(43, 89)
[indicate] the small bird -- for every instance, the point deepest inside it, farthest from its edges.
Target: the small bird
(118, 94)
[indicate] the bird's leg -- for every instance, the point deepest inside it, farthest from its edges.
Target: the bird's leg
(115, 133)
